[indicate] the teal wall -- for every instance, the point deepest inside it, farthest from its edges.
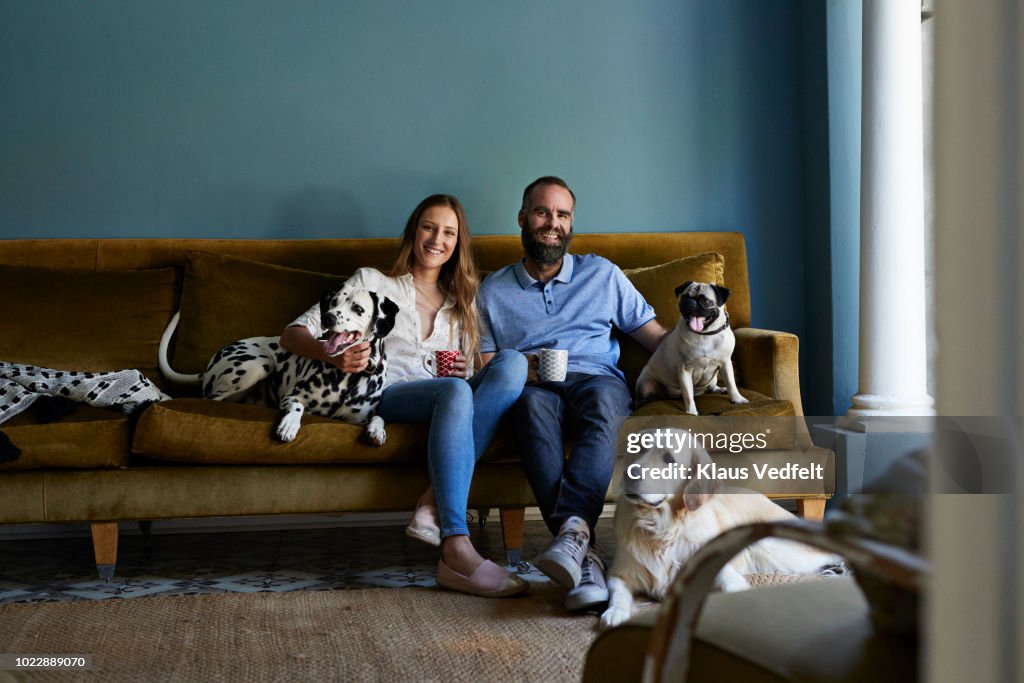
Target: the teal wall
(830, 136)
(844, 112)
(246, 118)
(816, 346)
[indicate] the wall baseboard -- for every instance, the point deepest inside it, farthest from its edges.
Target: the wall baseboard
(212, 525)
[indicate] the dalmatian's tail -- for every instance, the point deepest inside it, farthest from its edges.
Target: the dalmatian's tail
(165, 366)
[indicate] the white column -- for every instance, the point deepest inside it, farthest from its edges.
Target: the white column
(893, 358)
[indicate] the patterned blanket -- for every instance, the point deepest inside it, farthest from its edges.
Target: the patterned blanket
(21, 385)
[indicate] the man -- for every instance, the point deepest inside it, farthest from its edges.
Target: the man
(551, 299)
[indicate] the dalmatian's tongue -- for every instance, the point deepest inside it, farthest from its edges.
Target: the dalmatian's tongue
(696, 323)
(338, 339)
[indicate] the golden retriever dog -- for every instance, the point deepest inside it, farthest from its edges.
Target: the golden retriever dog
(657, 532)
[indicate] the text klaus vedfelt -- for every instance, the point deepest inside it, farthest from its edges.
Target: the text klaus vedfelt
(762, 472)
(675, 441)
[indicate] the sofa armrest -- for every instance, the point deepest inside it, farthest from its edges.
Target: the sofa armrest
(768, 362)
(668, 650)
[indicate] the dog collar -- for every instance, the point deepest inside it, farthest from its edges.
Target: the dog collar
(718, 330)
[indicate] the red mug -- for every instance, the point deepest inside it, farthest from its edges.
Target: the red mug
(440, 363)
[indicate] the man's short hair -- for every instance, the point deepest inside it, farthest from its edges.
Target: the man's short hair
(548, 180)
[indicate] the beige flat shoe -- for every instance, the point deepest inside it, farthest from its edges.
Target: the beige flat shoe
(488, 581)
(425, 525)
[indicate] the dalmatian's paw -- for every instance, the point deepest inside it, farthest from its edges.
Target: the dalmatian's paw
(288, 428)
(376, 432)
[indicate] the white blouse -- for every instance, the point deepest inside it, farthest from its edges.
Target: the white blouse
(405, 345)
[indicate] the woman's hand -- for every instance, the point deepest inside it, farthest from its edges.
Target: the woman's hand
(353, 359)
(460, 368)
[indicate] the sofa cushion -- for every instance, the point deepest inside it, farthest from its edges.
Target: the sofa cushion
(720, 405)
(226, 298)
(657, 284)
(88, 438)
(202, 431)
(91, 320)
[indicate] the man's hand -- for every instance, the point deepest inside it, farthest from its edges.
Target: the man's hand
(353, 359)
(532, 363)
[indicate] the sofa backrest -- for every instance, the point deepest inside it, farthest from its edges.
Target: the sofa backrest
(342, 256)
(222, 298)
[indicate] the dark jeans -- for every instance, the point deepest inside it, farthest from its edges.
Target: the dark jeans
(588, 410)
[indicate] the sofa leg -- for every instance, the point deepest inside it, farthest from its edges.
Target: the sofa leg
(104, 546)
(811, 508)
(512, 533)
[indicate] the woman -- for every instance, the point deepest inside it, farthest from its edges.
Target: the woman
(434, 283)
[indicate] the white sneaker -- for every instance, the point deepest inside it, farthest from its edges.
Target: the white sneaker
(592, 591)
(561, 561)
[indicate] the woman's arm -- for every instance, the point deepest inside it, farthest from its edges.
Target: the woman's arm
(298, 340)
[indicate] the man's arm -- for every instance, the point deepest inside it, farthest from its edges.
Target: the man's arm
(531, 365)
(486, 336)
(649, 335)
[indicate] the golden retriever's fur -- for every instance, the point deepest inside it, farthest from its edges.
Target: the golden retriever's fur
(658, 532)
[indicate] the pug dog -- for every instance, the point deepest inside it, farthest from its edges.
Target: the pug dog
(688, 361)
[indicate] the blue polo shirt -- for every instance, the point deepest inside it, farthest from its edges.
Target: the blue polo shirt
(575, 310)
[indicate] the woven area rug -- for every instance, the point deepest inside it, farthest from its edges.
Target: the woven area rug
(407, 634)
(376, 634)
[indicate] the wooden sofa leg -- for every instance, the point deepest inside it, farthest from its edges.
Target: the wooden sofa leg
(104, 546)
(811, 508)
(512, 533)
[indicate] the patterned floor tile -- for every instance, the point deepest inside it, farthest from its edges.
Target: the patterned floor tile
(400, 576)
(263, 582)
(129, 588)
(11, 591)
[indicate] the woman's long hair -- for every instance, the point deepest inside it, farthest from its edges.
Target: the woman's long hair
(458, 276)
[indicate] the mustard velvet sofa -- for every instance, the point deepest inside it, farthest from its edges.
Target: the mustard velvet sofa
(103, 304)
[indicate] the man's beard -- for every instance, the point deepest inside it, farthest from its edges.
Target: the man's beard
(545, 254)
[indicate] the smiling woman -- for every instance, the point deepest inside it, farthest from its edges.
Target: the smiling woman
(436, 252)
(437, 235)
(434, 282)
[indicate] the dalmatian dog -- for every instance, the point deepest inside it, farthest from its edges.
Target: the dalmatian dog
(259, 370)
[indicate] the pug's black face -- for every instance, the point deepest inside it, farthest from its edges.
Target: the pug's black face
(700, 304)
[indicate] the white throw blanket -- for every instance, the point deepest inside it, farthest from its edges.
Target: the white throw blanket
(21, 385)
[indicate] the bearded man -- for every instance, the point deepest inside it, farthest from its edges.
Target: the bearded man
(553, 299)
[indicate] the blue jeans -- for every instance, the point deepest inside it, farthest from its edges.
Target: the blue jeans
(463, 418)
(588, 410)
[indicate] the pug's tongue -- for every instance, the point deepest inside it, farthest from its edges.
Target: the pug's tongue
(337, 340)
(696, 323)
